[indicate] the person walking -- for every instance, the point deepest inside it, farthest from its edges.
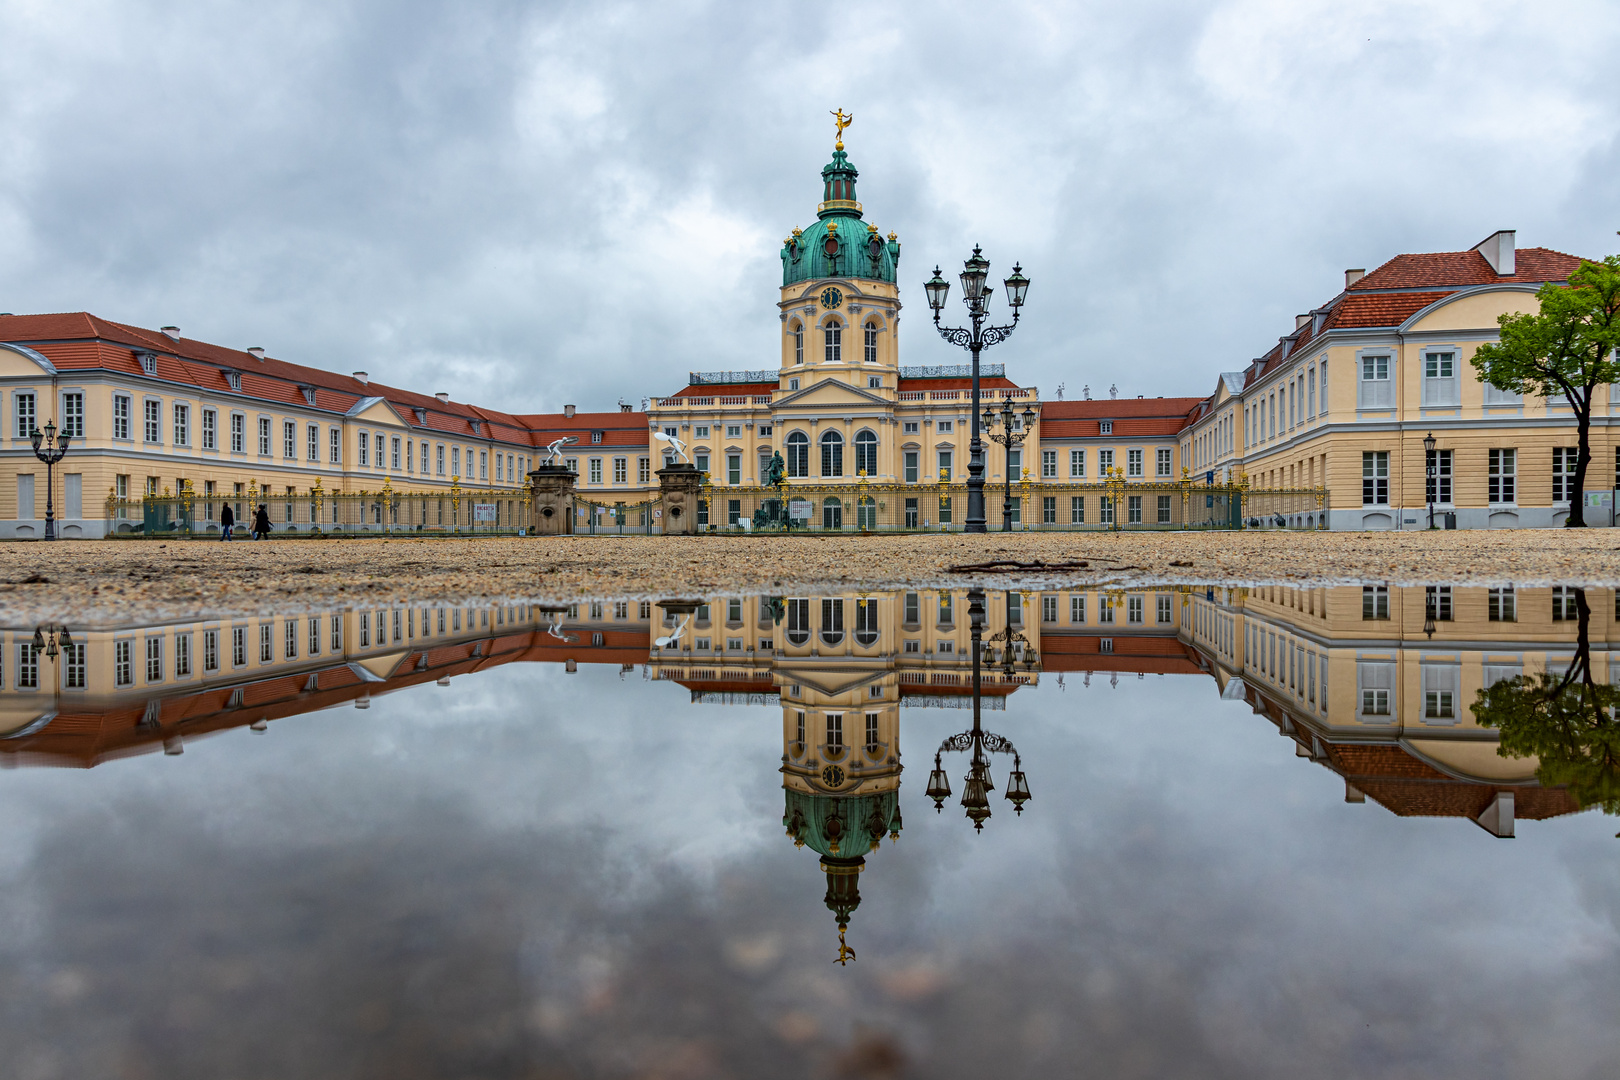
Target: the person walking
(261, 523)
(226, 520)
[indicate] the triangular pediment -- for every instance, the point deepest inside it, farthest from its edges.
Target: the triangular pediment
(829, 681)
(376, 410)
(830, 392)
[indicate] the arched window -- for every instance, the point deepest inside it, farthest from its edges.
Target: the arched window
(798, 621)
(798, 455)
(832, 512)
(798, 343)
(832, 454)
(833, 333)
(866, 453)
(871, 343)
(866, 624)
(832, 622)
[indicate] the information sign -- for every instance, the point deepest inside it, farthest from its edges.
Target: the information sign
(801, 509)
(483, 512)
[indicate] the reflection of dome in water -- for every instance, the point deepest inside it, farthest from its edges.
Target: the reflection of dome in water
(842, 829)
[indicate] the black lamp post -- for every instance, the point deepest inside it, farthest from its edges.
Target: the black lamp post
(975, 272)
(1008, 438)
(49, 448)
(977, 785)
(1431, 466)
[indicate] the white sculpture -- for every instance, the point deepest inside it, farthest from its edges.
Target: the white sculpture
(554, 449)
(678, 446)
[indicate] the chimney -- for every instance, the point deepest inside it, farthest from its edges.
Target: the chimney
(362, 378)
(444, 398)
(257, 352)
(1498, 251)
(1353, 276)
(172, 333)
(568, 411)
(1301, 320)
(623, 407)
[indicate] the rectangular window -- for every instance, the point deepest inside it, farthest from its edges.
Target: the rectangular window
(944, 465)
(1077, 509)
(28, 666)
(911, 473)
(210, 650)
(733, 468)
(73, 415)
(1049, 464)
(365, 448)
(1563, 474)
(455, 464)
(1105, 510)
(1437, 488)
(439, 461)
(1133, 507)
(1163, 609)
(1133, 609)
(1077, 609)
(1049, 609)
(1105, 462)
(1500, 476)
(182, 425)
(1500, 605)
(26, 415)
(1105, 609)
(946, 609)
(154, 421)
(1164, 510)
(1049, 509)
(121, 415)
(944, 509)
(266, 644)
(1015, 463)
(313, 449)
(123, 665)
(643, 471)
(1077, 463)
(289, 439)
(483, 465)
(75, 671)
(154, 659)
(913, 515)
(337, 631)
(1374, 602)
(911, 608)
(1375, 390)
(238, 433)
(1310, 393)
(335, 447)
(1440, 384)
(1163, 456)
(314, 637)
(1437, 603)
(944, 427)
(621, 470)
(1375, 478)
(238, 646)
(1563, 604)
(1133, 463)
(365, 629)
(289, 643)
(595, 476)
(733, 511)
(835, 732)
(264, 436)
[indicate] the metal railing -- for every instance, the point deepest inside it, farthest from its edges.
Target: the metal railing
(456, 512)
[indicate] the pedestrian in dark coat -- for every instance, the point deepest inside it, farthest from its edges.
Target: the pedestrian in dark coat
(261, 523)
(226, 521)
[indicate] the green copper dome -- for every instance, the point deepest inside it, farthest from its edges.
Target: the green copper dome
(839, 243)
(841, 826)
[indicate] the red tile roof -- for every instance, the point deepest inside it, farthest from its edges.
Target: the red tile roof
(1155, 427)
(727, 390)
(1115, 409)
(1461, 269)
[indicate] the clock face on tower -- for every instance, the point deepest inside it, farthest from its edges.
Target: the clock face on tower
(831, 298)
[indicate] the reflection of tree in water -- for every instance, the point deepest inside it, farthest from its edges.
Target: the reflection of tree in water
(1566, 720)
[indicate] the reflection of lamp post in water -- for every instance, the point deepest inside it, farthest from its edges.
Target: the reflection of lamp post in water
(978, 784)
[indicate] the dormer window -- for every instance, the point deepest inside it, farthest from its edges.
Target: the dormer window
(596, 436)
(1107, 427)
(477, 426)
(149, 363)
(421, 415)
(233, 379)
(309, 394)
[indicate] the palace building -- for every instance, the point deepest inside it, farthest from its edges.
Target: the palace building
(1324, 430)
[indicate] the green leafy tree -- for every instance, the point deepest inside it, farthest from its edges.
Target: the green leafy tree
(1566, 720)
(1567, 349)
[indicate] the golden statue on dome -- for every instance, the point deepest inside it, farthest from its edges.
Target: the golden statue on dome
(843, 121)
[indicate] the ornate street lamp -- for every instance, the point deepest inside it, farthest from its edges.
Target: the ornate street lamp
(48, 635)
(1008, 438)
(978, 785)
(977, 337)
(49, 448)
(1433, 472)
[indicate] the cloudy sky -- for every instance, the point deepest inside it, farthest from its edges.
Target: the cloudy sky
(528, 204)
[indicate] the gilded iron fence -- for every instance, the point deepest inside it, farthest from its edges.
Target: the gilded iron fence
(456, 511)
(1033, 506)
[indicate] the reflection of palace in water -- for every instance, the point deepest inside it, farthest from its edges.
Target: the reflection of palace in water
(1374, 683)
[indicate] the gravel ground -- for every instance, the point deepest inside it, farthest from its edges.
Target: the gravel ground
(91, 583)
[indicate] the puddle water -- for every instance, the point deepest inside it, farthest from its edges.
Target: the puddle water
(1269, 832)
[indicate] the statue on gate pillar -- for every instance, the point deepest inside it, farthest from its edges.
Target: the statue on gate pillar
(552, 491)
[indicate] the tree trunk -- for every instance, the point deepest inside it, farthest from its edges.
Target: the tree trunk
(1583, 455)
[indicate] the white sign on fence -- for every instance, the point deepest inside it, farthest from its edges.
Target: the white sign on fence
(801, 509)
(483, 511)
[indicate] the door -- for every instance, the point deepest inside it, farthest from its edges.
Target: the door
(25, 497)
(74, 497)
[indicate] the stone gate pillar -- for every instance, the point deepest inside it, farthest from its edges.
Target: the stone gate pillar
(680, 484)
(553, 492)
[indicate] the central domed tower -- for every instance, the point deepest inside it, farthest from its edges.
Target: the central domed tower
(840, 304)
